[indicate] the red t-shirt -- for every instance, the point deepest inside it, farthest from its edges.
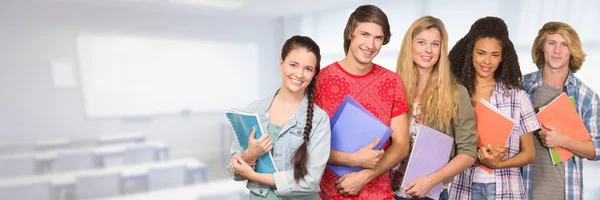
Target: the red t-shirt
(381, 92)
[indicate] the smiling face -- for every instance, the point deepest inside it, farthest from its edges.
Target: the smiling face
(426, 48)
(366, 42)
(556, 51)
(297, 70)
(487, 55)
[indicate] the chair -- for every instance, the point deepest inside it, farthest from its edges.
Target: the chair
(166, 177)
(100, 185)
(112, 161)
(31, 191)
(139, 154)
(17, 166)
(74, 160)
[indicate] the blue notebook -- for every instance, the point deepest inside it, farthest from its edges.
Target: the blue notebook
(353, 127)
(242, 123)
(430, 152)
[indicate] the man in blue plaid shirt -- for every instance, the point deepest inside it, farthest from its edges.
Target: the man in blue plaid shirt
(558, 54)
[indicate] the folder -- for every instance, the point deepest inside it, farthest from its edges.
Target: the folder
(242, 123)
(562, 114)
(431, 151)
(493, 126)
(353, 127)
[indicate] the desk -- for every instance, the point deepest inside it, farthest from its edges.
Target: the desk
(122, 138)
(66, 180)
(221, 188)
(45, 158)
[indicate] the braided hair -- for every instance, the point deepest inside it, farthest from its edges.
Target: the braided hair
(300, 158)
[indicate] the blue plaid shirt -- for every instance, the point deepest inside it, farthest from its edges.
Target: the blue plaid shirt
(587, 106)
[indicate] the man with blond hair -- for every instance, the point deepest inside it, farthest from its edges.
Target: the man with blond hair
(558, 54)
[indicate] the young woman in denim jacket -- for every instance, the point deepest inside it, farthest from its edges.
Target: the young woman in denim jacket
(298, 131)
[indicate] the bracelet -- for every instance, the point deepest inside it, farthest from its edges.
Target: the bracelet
(251, 164)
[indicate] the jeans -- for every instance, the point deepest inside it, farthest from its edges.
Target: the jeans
(443, 196)
(483, 191)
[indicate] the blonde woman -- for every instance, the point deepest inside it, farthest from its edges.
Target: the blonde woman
(436, 100)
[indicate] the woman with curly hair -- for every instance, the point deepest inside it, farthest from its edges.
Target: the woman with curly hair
(438, 101)
(485, 62)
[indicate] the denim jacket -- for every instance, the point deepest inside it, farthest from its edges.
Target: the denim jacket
(288, 140)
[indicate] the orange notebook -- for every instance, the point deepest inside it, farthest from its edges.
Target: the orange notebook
(493, 126)
(561, 114)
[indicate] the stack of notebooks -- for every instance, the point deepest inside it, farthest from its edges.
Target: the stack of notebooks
(242, 124)
(353, 127)
(493, 126)
(562, 114)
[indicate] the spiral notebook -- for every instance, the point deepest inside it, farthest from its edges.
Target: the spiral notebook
(242, 123)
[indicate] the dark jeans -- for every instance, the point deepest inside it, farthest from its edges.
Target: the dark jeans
(443, 196)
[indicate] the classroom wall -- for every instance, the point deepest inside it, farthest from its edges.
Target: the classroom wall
(33, 33)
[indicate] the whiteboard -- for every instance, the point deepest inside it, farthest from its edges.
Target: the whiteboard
(125, 76)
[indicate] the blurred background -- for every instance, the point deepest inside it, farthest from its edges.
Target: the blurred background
(96, 92)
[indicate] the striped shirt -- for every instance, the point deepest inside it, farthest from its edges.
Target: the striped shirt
(586, 101)
(509, 184)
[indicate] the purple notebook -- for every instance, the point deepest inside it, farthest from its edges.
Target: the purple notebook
(353, 127)
(430, 152)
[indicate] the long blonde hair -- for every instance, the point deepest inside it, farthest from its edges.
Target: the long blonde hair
(440, 98)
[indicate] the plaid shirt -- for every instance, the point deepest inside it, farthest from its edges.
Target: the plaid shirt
(587, 106)
(509, 184)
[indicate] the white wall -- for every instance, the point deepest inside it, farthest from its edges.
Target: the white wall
(32, 33)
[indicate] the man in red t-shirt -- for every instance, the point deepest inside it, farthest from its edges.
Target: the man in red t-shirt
(380, 91)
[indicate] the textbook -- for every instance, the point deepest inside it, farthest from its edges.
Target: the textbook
(430, 152)
(353, 127)
(562, 114)
(493, 126)
(242, 123)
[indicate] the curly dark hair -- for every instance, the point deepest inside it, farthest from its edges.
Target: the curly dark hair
(461, 55)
